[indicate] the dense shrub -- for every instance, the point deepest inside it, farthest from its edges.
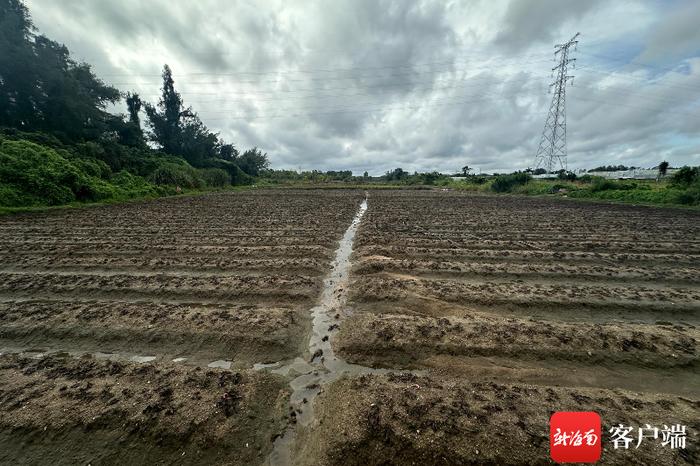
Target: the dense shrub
(476, 179)
(238, 177)
(602, 184)
(686, 176)
(39, 175)
(215, 177)
(177, 175)
(506, 183)
(92, 167)
(566, 176)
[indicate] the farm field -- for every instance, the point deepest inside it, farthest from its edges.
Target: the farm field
(133, 303)
(198, 330)
(517, 307)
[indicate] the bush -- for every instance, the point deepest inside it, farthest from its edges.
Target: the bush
(215, 177)
(566, 176)
(686, 176)
(35, 175)
(237, 176)
(689, 196)
(602, 184)
(556, 187)
(476, 180)
(43, 139)
(506, 183)
(177, 175)
(92, 167)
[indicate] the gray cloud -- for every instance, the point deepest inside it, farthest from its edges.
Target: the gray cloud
(539, 21)
(425, 85)
(676, 35)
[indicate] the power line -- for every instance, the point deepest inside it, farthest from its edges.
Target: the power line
(638, 78)
(317, 93)
(320, 70)
(336, 78)
(637, 107)
(350, 110)
(629, 62)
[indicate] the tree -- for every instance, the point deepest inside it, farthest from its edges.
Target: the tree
(42, 88)
(130, 132)
(165, 119)
(252, 161)
(466, 170)
(686, 176)
(663, 168)
(179, 131)
(396, 174)
(566, 175)
(227, 151)
(133, 105)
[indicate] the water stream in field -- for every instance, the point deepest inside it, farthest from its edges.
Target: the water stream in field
(320, 366)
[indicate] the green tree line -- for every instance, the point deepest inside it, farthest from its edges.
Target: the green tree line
(60, 144)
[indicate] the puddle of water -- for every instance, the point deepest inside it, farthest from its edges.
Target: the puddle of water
(322, 366)
(262, 366)
(39, 353)
(220, 364)
(297, 367)
(142, 359)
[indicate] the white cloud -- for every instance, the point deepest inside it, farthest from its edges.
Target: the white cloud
(425, 85)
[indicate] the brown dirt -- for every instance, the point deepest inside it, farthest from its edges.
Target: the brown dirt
(216, 277)
(518, 307)
(222, 276)
(513, 308)
(82, 411)
(406, 419)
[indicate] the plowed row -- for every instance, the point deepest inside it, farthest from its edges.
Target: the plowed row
(222, 277)
(505, 300)
(505, 309)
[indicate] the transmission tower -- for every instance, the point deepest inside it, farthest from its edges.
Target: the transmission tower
(553, 143)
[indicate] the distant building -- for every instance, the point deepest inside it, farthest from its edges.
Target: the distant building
(633, 174)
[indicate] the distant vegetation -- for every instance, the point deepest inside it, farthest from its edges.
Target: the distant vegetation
(507, 183)
(681, 188)
(59, 144)
(611, 168)
(396, 177)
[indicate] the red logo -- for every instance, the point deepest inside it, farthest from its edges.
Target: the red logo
(574, 437)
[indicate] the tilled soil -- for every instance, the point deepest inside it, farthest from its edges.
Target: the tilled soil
(406, 419)
(122, 308)
(222, 276)
(518, 307)
(507, 309)
(63, 410)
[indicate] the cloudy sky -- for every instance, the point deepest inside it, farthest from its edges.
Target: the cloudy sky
(422, 85)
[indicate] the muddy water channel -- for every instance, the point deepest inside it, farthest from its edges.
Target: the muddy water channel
(320, 365)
